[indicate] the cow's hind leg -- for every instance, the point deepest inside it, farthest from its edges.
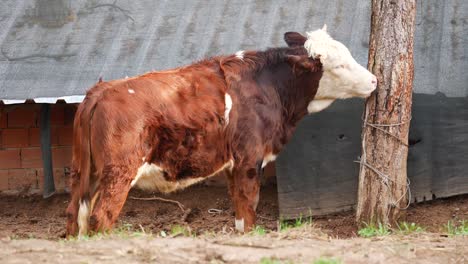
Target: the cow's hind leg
(244, 188)
(109, 198)
(72, 210)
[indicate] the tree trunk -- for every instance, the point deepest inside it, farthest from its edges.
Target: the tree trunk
(383, 189)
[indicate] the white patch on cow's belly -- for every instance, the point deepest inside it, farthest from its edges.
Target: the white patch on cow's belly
(268, 158)
(228, 107)
(151, 177)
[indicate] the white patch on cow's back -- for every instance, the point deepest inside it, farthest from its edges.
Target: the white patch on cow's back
(151, 177)
(239, 225)
(268, 158)
(240, 54)
(131, 91)
(342, 76)
(227, 107)
(83, 218)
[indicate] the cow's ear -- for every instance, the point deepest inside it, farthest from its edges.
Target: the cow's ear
(294, 39)
(301, 64)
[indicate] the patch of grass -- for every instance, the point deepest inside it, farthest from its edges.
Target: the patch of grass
(124, 230)
(371, 230)
(14, 237)
(258, 230)
(298, 222)
(209, 233)
(274, 261)
(454, 230)
(409, 228)
(327, 261)
(177, 230)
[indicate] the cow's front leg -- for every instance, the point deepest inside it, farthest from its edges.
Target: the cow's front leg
(244, 188)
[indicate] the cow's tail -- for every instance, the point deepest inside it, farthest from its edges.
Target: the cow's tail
(84, 163)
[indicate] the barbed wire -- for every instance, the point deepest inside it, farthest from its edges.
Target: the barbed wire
(384, 177)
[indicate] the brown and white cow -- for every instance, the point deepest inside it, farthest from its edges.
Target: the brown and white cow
(167, 130)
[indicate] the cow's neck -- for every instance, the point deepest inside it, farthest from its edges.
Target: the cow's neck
(295, 93)
(292, 96)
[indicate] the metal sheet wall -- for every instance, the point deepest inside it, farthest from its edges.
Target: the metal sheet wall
(54, 48)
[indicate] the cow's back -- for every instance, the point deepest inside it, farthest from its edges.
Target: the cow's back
(173, 120)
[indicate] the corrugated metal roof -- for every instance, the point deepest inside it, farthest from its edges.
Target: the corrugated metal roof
(53, 49)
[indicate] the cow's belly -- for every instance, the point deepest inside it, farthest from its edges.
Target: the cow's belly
(151, 177)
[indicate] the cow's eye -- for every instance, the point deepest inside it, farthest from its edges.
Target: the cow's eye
(341, 66)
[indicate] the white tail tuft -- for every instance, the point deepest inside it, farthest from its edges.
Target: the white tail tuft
(83, 217)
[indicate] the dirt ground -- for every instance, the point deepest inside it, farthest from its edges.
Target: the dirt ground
(272, 248)
(31, 228)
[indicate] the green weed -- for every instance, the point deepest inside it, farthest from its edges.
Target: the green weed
(298, 222)
(454, 230)
(258, 230)
(274, 261)
(177, 230)
(371, 230)
(409, 228)
(124, 230)
(327, 261)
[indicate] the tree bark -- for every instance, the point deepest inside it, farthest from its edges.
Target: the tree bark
(383, 189)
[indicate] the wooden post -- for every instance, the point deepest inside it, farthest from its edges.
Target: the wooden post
(383, 189)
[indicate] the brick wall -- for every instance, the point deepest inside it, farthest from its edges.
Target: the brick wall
(20, 153)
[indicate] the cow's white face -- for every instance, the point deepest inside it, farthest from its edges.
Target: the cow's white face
(342, 76)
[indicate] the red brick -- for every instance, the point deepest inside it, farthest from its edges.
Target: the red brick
(3, 180)
(3, 118)
(70, 111)
(35, 137)
(40, 178)
(65, 136)
(61, 179)
(10, 158)
(23, 116)
(15, 138)
(22, 179)
(54, 136)
(31, 158)
(57, 115)
(31, 178)
(61, 157)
